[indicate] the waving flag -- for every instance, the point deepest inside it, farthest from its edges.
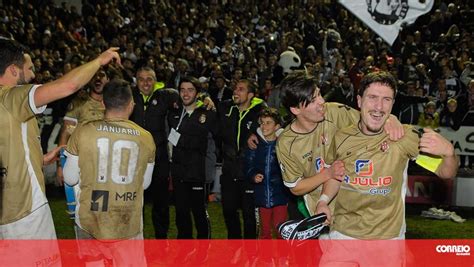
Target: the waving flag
(386, 17)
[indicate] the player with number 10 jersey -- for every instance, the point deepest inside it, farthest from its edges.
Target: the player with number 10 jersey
(113, 157)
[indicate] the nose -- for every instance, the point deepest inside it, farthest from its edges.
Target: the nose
(379, 104)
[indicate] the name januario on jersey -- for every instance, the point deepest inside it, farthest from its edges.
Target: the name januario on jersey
(118, 130)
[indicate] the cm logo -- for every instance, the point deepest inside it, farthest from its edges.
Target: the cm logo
(364, 167)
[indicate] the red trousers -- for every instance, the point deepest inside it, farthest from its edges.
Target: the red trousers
(279, 214)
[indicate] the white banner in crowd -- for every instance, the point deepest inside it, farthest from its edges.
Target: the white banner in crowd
(462, 139)
(386, 17)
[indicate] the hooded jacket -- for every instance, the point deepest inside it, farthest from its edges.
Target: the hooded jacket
(235, 126)
(271, 191)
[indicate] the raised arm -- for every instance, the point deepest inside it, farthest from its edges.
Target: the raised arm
(433, 143)
(73, 80)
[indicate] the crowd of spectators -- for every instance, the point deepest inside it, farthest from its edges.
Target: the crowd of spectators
(222, 41)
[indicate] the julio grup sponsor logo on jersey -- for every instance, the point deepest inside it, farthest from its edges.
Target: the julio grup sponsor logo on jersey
(364, 169)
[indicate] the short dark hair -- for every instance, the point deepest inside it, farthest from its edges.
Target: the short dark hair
(383, 77)
(117, 94)
(251, 85)
(297, 89)
(191, 79)
(11, 52)
(270, 113)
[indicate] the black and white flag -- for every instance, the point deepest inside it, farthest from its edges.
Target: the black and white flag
(386, 17)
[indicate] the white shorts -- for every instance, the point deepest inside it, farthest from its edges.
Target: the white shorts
(31, 241)
(130, 252)
(342, 250)
(37, 225)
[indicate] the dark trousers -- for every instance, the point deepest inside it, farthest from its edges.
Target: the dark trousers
(190, 197)
(160, 213)
(238, 194)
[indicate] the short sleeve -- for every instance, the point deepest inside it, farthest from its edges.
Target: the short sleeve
(410, 142)
(290, 170)
(342, 115)
(20, 101)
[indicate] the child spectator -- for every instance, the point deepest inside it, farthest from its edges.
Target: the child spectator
(429, 118)
(271, 196)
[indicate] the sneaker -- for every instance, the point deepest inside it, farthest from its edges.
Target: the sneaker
(308, 228)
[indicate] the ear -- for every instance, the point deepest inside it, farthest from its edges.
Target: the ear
(295, 111)
(13, 69)
(359, 101)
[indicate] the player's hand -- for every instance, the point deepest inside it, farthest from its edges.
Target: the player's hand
(336, 171)
(323, 207)
(394, 128)
(110, 54)
(208, 103)
(52, 156)
(258, 178)
(433, 143)
(252, 142)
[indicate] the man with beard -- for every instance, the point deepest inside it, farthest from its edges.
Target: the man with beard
(83, 108)
(238, 117)
(24, 210)
(370, 203)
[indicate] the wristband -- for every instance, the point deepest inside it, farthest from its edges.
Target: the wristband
(324, 198)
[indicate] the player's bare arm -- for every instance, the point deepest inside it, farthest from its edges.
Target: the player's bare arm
(330, 189)
(52, 156)
(308, 184)
(433, 143)
(75, 79)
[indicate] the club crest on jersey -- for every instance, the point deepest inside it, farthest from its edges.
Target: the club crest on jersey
(154, 102)
(202, 118)
(384, 146)
(249, 124)
(324, 140)
(319, 164)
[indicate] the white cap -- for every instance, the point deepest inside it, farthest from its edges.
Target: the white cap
(203, 79)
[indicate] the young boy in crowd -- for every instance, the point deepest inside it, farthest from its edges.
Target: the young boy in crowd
(271, 195)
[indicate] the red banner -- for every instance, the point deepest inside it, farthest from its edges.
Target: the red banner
(237, 253)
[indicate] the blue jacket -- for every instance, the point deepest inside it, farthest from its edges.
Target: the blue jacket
(271, 191)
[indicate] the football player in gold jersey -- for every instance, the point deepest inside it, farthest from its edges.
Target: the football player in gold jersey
(112, 161)
(24, 210)
(370, 203)
(83, 108)
(303, 145)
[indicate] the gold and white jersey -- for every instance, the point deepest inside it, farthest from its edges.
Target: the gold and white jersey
(370, 203)
(303, 155)
(83, 109)
(21, 158)
(113, 156)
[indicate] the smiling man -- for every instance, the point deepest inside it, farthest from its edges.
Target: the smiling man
(370, 203)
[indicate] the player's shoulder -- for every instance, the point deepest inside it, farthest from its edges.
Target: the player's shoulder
(8, 90)
(286, 138)
(138, 128)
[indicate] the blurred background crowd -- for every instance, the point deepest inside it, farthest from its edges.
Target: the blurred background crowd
(224, 41)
